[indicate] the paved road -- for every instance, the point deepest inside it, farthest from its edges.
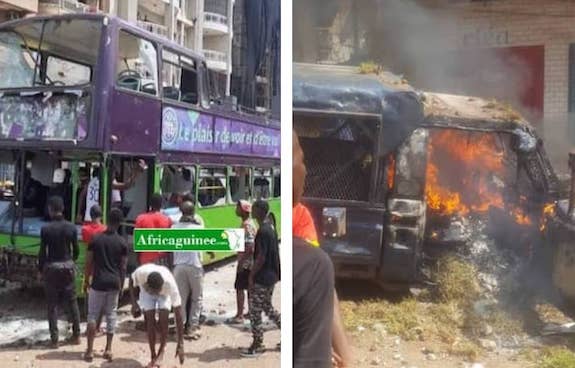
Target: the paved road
(22, 319)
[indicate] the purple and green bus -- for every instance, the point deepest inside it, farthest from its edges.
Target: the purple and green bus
(84, 98)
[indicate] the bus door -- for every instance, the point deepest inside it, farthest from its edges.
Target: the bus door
(130, 186)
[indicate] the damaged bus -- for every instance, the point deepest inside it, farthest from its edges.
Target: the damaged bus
(389, 167)
(88, 97)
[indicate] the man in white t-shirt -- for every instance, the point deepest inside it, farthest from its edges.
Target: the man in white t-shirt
(158, 292)
(92, 194)
(189, 274)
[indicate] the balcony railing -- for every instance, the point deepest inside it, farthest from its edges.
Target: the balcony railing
(68, 6)
(154, 28)
(215, 18)
(213, 55)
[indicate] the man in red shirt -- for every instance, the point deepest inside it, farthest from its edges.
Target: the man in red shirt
(89, 229)
(153, 220)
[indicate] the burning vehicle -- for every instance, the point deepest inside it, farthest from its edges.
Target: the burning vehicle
(392, 169)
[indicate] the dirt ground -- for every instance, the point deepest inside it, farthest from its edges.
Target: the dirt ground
(371, 349)
(373, 346)
(21, 318)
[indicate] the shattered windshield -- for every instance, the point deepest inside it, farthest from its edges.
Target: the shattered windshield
(49, 53)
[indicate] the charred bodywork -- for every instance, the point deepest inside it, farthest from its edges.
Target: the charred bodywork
(372, 145)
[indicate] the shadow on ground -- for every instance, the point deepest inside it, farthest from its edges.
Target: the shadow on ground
(223, 353)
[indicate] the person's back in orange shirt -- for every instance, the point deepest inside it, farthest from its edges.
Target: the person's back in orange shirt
(303, 226)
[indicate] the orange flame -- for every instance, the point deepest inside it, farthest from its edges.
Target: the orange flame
(462, 168)
(390, 171)
(548, 211)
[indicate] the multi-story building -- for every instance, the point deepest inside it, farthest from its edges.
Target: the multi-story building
(11, 9)
(260, 93)
(205, 26)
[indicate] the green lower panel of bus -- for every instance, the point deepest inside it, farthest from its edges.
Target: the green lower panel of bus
(18, 260)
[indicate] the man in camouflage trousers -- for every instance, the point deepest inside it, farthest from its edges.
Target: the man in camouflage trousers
(264, 275)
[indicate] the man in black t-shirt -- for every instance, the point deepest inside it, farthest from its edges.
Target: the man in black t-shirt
(106, 266)
(58, 251)
(264, 274)
(313, 289)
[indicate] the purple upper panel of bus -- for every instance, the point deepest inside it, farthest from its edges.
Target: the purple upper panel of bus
(103, 116)
(191, 131)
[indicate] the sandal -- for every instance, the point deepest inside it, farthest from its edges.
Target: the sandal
(235, 321)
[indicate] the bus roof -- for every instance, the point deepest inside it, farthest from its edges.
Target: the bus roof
(344, 89)
(112, 20)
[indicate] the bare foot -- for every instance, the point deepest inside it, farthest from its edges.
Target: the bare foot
(108, 355)
(159, 360)
(88, 357)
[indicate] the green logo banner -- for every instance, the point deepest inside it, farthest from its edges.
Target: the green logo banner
(189, 240)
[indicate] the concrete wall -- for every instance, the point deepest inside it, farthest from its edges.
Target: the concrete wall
(521, 23)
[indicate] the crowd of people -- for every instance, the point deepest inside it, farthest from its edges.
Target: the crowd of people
(163, 282)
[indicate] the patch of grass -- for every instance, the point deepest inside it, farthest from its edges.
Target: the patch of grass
(446, 321)
(556, 357)
(491, 104)
(370, 67)
(549, 313)
(465, 349)
(402, 318)
(457, 282)
(504, 323)
(508, 113)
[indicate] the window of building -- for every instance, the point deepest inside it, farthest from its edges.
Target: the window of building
(180, 78)
(212, 187)
(137, 67)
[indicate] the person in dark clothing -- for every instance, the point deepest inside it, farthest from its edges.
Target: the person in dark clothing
(313, 289)
(34, 193)
(265, 273)
(58, 251)
(106, 267)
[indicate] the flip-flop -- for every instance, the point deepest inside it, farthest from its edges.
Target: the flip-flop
(234, 321)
